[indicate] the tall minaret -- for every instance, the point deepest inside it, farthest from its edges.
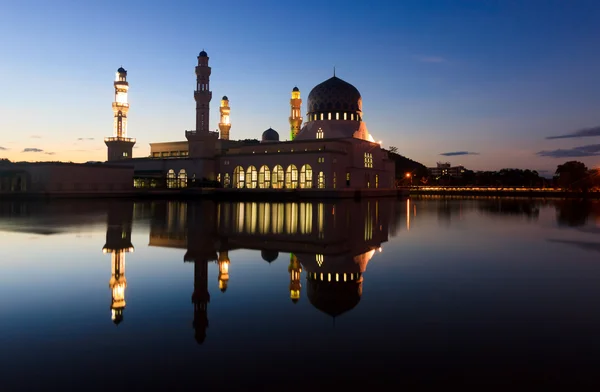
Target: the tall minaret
(295, 269)
(201, 141)
(295, 117)
(119, 145)
(224, 124)
(118, 243)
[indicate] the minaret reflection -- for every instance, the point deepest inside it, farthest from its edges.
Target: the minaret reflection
(295, 269)
(201, 249)
(118, 243)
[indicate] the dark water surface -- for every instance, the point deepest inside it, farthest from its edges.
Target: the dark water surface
(123, 295)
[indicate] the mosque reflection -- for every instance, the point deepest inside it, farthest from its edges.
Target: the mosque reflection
(331, 242)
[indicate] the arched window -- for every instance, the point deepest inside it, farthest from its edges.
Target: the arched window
(320, 133)
(278, 177)
(238, 177)
(171, 179)
(291, 177)
(251, 177)
(226, 181)
(321, 180)
(306, 175)
(182, 177)
(264, 177)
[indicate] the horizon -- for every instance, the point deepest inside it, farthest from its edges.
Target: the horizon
(470, 83)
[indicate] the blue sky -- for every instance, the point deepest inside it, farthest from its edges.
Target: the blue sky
(488, 77)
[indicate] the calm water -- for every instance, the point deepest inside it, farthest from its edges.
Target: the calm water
(298, 296)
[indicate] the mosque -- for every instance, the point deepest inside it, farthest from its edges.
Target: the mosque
(332, 149)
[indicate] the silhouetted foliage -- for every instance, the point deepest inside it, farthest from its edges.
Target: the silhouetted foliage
(4, 161)
(406, 165)
(527, 208)
(573, 175)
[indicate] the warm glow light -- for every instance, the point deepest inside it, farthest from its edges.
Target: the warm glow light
(407, 175)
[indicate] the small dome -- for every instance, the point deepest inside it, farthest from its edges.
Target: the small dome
(269, 136)
(122, 71)
(203, 54)
(269, 255)
(225, 98)
(295, 89)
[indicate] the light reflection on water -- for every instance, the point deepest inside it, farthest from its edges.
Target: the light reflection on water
(208, 294)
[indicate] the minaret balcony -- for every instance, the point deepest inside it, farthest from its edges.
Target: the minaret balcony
(119, 139)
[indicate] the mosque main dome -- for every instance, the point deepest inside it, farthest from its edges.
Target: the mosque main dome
(334, 95)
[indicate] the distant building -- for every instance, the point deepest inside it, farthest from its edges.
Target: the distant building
(444, 168)
(64, 178)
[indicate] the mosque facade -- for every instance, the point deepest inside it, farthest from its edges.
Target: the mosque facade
(332, 149)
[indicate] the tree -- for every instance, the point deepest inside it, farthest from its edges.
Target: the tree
(393, 150)
(573, 175)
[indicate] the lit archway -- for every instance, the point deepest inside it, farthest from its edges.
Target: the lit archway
(306, 176)
(251, 177)
(264, 177)
(278, 177)
(171, 179)
(321, 180)
(182, 179)
(239, 177)
(291, 177)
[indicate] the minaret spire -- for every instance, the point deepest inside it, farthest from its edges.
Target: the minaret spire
(295, 116)
(334, 71)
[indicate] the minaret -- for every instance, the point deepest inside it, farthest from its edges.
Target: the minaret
(295, 117)
(118, 242)
(295, 269)
(119, 145)
(224, 124)
(223, 270)
(202, 142)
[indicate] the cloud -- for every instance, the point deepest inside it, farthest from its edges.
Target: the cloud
(49, 153)
(455, 153)
(590, 150)
(35, 136)
(85, 138)
(586, 132)
(3, 148)
(32, 149)
(430, 59)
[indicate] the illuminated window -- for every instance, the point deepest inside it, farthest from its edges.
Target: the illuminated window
(251, 177)
(334, 181)
(278, 177)
(376, 180)
(321, 116)
(337, 116)
(368, 159)
(352, 116)
(264, 177)
(226, 181)
(320, 133)
(171, 179)
(291, 177)
(124, 154)
(345, 116)
(306, 174)
(182, 177)
(319, 260)
(239, 177)
(321, 180)
(347, 179)
(329, 116)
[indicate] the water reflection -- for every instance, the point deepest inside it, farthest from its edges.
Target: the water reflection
(331, 242)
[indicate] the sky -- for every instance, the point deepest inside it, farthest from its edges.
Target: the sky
(485, 84)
